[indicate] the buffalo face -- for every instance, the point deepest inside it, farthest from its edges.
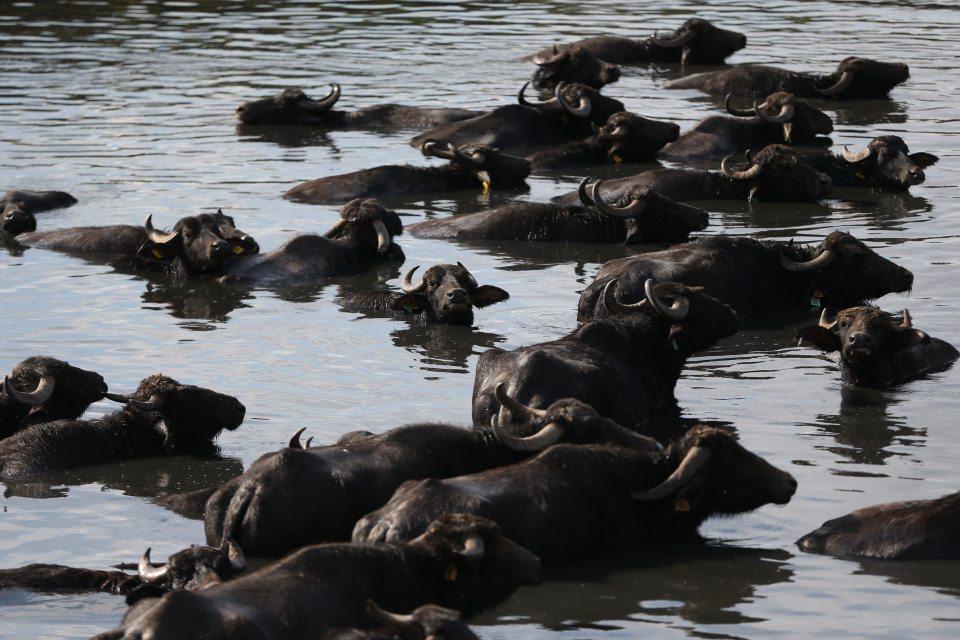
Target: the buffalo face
(15, 220)
(192, 568)
(199, 242)
(863, 78)
(289, 107)
(632, 138)
(366, 224)
(429, 622)
(777, 174)
(888, 162)
(700, 42)
(53, 389)
(447, 293)
(492, 168)
(798, 121)
(572, 64)
(240, 242)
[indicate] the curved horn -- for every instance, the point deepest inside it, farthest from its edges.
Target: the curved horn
(149, 572)
(556, 56)
(584, 196)
(295, 440)
(330, 99)
(825, 322)
(516, 407)
(383, 236)
(154, 403)
(470, 279)
(117, 397)
(785, 115)
(852, 157)
(238, 561)
(676, 311)
(818, 263)
(549, 435)
(745, 174)
(740, 113)
(907, 322)
(673, 41)
(36, 397)
(614, 306)
(839, 86)
(692, 463)
(473, 548)
(157, 236)
(406, 284)
(522, 99)
(581, 111)
(394, 621)
(635, 208)
(433, 148)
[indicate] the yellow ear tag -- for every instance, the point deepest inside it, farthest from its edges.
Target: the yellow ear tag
(450, 574)
(682, 504)
(616, 159)
(486, 187)
(157, 253)
(238, 249)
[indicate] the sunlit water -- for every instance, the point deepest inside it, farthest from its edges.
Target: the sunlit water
(129, 106)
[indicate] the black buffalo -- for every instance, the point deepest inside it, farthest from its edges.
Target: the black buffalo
(641, 216)
(876, 351)
(760, 279)
(17, 209)
(572, 501)
(572, 64)
(197, 245)
(697, 41)
(302, 496)
(429, 622)
(624, 137)
(775, 173)
(781, 118)
(625, 366)
(570, 115)
(161, 417)
(855, 78)
(446, 293)
(461, 561)
(42, 389)
(364, 235)
(474, 167)
(292, 107)
(886, 164)
(915, 530)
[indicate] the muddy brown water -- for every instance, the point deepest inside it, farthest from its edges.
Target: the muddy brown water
(129, 106)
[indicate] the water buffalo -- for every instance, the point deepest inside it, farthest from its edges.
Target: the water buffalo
(298, 496)
(781, 118)
(760, 279)
(470, 167)
(461, 561)
(625, 366)
(365, 234)
(162, 416)
(571, 501)
(197, 245)
(17, 209)
(855, 78)
(572, 64)
(292, 107)
(919, 529)
(428, 622)
(191, 568)
(775, 173)
(446, 293)
(697, 41)
(624, 137)
(641, 216)
(886, 164)
(42, 389)
(876, 351)
(569, 115)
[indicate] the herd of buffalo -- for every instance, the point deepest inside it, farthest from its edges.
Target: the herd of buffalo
(399, 534)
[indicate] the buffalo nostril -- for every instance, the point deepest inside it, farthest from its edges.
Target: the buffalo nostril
(457, 295)
(241, 108)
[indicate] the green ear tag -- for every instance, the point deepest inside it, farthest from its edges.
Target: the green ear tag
(673, 343)
(814, 301)
(409, 308)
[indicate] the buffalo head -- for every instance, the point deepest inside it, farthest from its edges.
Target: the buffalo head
(447, 293)
(202, 243)
(845, 271)
(16, 219)
(863, 78)
(776, 173)
(50, 389)
(429, 622)
(628, 137)
(863, 335)
(799, 121)
(366, 224)
(492, 168)
(187, 417)
(888, 162)
(289, 107)
(572, 64)
(700, 42)
(192, 568)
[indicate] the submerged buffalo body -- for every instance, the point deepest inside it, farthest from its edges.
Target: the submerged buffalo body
(293, 107)
(781, 118)
(759, 279)
(886, 164)
(42, 389)
(162, 416)
(855, 78)
(17, 209)
(874, 350)
(697, 41)
(461, 562)
(920, 529)
(625, 366)
(572, 501)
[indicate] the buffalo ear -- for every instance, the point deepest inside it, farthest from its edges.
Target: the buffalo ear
(924, 160)
(487, 295)
(821, 338)
(239, 246)
(159, 251)
(908, 338)
(410, 303)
